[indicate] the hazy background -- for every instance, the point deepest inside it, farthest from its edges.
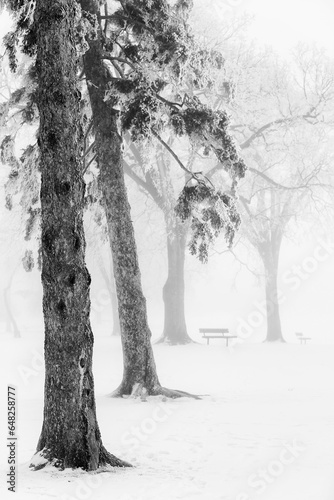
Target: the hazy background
(223, 292)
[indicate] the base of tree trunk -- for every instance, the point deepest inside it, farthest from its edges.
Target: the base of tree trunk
(166, 340)
(43, 458)
(140, 391)
(272, 341)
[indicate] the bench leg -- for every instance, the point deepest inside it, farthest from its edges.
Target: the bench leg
(207, 341)
(227, 342)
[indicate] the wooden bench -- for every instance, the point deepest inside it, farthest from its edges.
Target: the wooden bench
(216, 333)
(301, 337)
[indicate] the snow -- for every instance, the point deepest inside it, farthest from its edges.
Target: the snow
(264, 428)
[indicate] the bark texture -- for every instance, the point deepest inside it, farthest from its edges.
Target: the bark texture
(70, 434)
(139, 370)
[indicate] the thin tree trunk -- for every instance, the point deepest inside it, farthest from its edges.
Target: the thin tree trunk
(70, 434)
(116, 327)
(139, 370)
(175, 328)
(109, 280)
(10, 318)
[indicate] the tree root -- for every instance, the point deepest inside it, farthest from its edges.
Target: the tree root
(107, 458)
(173, 393)
(165, 340)
(43, 458)
(140, 391)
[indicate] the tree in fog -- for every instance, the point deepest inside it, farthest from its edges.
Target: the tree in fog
(70, 434)
(139, 366)
(282, 115)
(163, 111)
(7, 158)
(159, 184)
(125, 67)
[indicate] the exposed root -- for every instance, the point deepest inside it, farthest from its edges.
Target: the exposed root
(107, 458)
(117, 393)
(140, 391)
(165, 340)
(172, 393)
(43, 458)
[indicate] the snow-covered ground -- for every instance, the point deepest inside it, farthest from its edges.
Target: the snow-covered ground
(264, 428)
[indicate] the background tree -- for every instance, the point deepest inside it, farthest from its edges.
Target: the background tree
(161, 183)
(282, 115)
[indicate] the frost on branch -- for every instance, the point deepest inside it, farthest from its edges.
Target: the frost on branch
(211, 212)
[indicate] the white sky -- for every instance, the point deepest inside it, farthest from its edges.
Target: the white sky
(5, 23)
(280, 23)
(283, 23)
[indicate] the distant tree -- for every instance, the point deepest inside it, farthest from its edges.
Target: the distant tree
(159, 184)
(109, 279)
(169, 105)
(282, 115)
(70, 434)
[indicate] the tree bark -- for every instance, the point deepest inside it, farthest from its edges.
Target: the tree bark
(70, 434)
(139, 370)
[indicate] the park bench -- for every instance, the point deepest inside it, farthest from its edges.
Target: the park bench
(216, 333)
(302, 338)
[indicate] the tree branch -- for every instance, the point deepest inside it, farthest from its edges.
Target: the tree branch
(174, 155)
(144, 184)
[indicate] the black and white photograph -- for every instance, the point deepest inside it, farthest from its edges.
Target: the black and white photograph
(167, 249)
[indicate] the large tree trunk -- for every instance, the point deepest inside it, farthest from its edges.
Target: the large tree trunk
(270, 261)
(139, 370)
(70, 434)
(175, 328)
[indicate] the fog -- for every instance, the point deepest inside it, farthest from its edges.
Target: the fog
(264, 395)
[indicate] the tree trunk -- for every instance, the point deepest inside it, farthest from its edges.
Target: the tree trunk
(139, 370)
(10, 318)
(109, 280)
(175, 328)
(274, 330)
(70, 434)
(116, 326)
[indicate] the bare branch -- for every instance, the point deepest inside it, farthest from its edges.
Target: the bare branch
(174, 155)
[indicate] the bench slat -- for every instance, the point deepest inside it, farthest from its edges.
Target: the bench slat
(219, 336)
(214, 330)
